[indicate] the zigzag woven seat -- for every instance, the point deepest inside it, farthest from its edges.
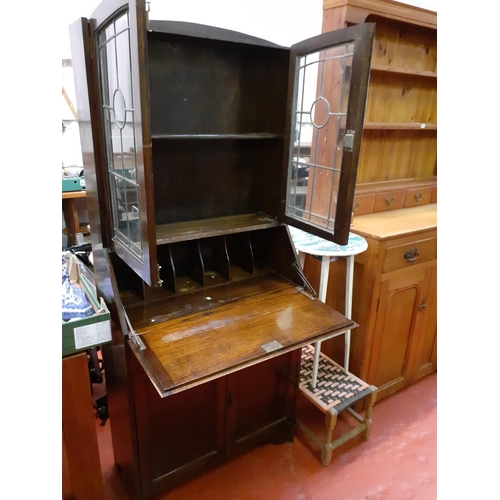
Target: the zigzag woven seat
(335, 388)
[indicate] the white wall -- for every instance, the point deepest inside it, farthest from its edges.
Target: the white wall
(281, 21)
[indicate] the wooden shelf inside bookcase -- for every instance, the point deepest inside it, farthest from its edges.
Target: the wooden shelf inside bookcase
(206, 228)
(399, 126)
(245, 136)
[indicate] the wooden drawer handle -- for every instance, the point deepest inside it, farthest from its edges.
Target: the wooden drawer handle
(411, 255)
(389, 201)
(418, 197)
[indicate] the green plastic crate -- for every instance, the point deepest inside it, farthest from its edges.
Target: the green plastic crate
(79, 334)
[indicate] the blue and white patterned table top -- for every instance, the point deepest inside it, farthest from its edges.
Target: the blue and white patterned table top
(314, 245)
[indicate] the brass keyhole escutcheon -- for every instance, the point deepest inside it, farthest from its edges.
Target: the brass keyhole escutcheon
(389, 201)
(411, 255)
(418, 197)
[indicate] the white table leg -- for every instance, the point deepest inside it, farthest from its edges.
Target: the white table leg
(323, 278)
(323, 284)
(349, 282)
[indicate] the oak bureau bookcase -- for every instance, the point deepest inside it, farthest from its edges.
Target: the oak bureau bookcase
(191, 138)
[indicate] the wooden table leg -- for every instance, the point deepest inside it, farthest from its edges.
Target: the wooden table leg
(78, 422)
(71, 219)
(326, 449)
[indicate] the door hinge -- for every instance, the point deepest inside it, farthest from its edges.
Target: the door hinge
(133, 336)
(148, 10)
(349, 140)
(136, 339)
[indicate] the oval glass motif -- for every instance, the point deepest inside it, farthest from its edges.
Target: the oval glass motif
(320, 108)
(119, 108)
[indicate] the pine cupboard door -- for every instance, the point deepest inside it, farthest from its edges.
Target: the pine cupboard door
(400, 316)
(328, 89)
(426, 358)
(118, 33)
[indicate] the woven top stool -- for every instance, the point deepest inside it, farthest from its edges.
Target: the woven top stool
(323, 381)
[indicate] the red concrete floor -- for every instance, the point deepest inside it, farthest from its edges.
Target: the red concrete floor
(398, 462)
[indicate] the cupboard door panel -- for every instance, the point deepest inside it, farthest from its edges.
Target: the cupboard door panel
(259, 398)
(179, 434)
(395, 336)
(398, 322)
(426, 360)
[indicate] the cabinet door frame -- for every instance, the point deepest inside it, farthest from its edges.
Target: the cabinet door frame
(286, 369)
(362, 37)
(145, 265)
(418, 277)
(428, 333)
(148, 403)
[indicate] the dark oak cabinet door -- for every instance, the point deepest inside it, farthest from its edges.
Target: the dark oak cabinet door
(260, 402)
(178, 435)
(117, 30)
(329, 74)
(181, 434)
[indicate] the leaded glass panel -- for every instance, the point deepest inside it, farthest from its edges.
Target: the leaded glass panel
(119, 129)
(319, 114)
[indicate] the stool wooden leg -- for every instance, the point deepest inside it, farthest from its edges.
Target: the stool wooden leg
(368, 415)
(326, 450)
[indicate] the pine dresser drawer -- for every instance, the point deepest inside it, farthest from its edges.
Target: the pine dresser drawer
(400, 256)
(363, 204)
(390, 200)
(418, 196)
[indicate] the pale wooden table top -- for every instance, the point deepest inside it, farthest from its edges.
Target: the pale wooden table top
(68, 195)
(396, 222)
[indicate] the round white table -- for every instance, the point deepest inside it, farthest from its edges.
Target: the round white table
(306, 243)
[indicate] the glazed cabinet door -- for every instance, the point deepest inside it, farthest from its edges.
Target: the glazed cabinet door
(117, 30)
(402, 308)
(329, 84)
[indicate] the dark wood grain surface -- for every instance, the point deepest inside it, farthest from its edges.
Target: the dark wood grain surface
(222, 332)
